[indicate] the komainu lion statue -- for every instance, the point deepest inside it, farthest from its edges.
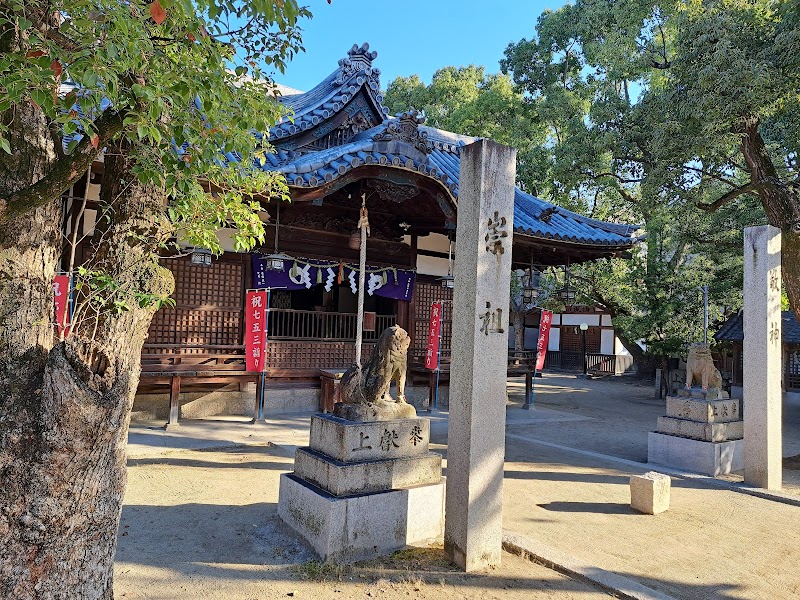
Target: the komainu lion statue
(367, 398)
(700, 365)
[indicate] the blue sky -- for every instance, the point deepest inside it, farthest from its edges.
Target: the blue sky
(414, 36)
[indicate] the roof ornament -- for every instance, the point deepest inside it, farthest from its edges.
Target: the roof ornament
(547, 214)
(358, 59)
(405, 128)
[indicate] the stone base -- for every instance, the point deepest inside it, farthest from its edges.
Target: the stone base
(354, 441)
(706, 432)
(346, 479)
(374, 411)
(349, 529)
(708, 458)
(705, 411)
(699, 393)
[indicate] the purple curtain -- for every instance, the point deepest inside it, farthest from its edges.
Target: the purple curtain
(299, 274)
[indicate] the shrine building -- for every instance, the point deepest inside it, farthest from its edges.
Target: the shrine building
(340, 145)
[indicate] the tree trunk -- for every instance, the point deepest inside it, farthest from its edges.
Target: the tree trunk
(781, 203)
(646, 364)
(518, 318)
(65, 409)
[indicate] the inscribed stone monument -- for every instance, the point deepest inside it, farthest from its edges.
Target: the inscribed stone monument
(762, 357)
(368, 485)
(703, 428)
(476, 432)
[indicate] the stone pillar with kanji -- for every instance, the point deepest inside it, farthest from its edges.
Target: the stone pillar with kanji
(763, 451)
(476, 431)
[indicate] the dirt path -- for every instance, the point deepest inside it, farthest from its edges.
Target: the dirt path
(203, 524)
(711, 543)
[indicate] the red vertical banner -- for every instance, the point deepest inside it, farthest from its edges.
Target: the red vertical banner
(255, 323)
(61, 298)
(434, 332)
(544, 338)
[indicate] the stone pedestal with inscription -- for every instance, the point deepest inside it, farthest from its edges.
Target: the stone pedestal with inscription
(701, 432)
(360, 490)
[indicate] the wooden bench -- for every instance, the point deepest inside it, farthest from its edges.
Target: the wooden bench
(522, 362)
(175, 369)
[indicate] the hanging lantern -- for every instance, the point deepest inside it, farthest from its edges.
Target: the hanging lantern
(448, 281)
(567, 293)
(276, 260)
(530, 286)
(354, 241)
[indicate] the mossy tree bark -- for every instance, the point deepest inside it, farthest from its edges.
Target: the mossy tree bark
(781, 201)
(65, 407)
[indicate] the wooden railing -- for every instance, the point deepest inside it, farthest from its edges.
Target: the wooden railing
(286, 324)
(573, 361)
(601, 363)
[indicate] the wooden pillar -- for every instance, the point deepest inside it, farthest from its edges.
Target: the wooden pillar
(174, 402)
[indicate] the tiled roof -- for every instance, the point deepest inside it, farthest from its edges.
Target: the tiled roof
(403, 142)
(437, 154)
(332, 94)
(733, 329)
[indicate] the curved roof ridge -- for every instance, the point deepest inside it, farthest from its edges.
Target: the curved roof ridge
(355, 72)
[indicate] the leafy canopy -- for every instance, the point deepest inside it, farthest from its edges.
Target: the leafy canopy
(183, 85)
(645, 105)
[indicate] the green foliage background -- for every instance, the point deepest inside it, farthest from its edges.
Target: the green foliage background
(632, 111)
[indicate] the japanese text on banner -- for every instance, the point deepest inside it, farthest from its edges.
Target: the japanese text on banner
(255, 322)
(61, 298)
(434, 332)
(544, 338)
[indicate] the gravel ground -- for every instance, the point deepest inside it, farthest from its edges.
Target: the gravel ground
(200, 513)
(204, 524)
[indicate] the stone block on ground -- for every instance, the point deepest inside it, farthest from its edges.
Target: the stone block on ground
(704, 411)
(708, 432)
(346, 479)
(709, 458)
(355, 528)
(349, 441)
(650, 492)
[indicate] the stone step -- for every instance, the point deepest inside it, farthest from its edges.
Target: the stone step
(702, 411)
(353, 441)
(347, 479)
(707, 432)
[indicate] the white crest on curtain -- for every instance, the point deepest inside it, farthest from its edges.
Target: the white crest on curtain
(303, 277)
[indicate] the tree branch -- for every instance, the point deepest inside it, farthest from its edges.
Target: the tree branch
(732, 195)
(65, 172)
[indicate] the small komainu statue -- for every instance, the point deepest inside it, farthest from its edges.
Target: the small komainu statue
(700, 365)
(367, 398)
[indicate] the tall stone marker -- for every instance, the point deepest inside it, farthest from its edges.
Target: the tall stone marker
(763, 451)
(476, 437)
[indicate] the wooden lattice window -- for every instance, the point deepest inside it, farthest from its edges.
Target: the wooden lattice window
(425, 294)
(572, 339)
(208, 307)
